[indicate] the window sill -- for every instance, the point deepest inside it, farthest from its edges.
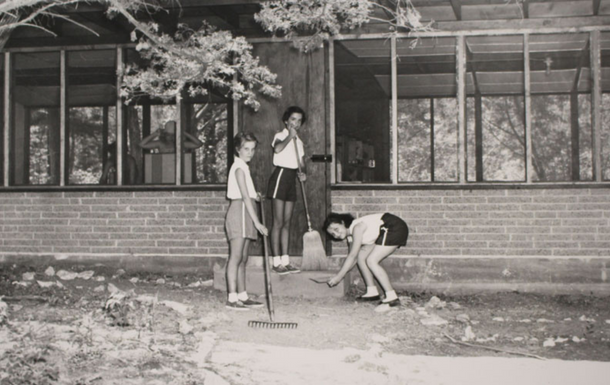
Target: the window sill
(94, 188)
(469, 186)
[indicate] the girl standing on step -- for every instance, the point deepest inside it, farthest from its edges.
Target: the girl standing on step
(241, 222)
(371, 239)
(288, 159)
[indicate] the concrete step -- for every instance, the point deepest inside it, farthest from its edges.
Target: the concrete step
(289, 285)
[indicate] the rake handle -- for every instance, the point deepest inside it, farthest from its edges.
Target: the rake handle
(296, 150)
(268, 289)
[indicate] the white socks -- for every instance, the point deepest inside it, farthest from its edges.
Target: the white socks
(234, 297)
(283, 260)
(390, 296)
(371, 291)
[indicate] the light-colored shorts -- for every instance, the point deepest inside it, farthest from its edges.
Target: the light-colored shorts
(238, 223)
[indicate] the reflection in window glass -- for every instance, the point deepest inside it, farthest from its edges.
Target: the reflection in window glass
(362, 106)
(560, 84)
(605, 113)
(36, 121)
(427, 110)
(91, 79)
(495, 108)
(209, 123)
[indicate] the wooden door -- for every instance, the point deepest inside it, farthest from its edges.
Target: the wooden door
(302, 77)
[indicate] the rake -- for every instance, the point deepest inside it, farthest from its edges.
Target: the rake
(271, 324)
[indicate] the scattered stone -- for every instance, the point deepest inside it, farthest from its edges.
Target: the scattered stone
(86, 274)
(160, 281)
(498, 319)
(561, 339)
(608, 321)
(99, 278)
(100, 288)
(463, 318)
(586, 319)
(525, 321)
(209, 282)
(46, 283)
(544, 320)
(119, 272)
(549, 343)
(567, 319)
(468, 334)
(3, 313)
(518, 339)
(28, 276)
(433, 320)
(50, 271)
(175, 284)
(21, 283)
(474, 322)
(533, 341)
(492, 338)
(436, 303)
(66, 275)
(147, 299)
(184, 327)
(134, 280)
(176, 306)
(577, 340)
(194, 284)
(112, 288)
(455, 305)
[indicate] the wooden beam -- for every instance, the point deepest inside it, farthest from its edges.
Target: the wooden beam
(457, 9)
(431, 139)
(596, 105)
(8, 116)
(596, 4)
(478, 136)
(179, 145)
(575, 137)
(394, 117)
(331, 111)
(528, 108)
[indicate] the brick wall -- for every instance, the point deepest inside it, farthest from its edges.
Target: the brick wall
(172, 223)
(560, 222)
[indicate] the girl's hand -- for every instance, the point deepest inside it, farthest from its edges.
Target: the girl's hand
(292, 132)
(261, 229)
(334, 281)
(302, 176)
(259, 197)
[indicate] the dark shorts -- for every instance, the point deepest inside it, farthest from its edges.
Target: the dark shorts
(282, 184)
(393, 232)
(238, 223)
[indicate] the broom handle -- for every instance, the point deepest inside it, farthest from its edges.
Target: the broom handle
(268, 290)
(296, 150)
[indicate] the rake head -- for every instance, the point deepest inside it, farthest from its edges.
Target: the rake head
(272, 325)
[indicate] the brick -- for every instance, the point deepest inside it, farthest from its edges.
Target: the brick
(151, 229)
(181, 243)
(46, 194)
(24, 242)
(510, 199)
(126, 222)
(136, 243)
(146, 208)
(420, 200)
(90, 236)
(152, 194)
(58, 215)
(112, 208)
(71, 249)
(177, 251)
(403, 208)
(498, 207)
(585, 222)
(136, 215)
(178, 201)
(88, 222)
(374, 200)
(352, 193)
(199, 194)
(77, 208)
(484, 230)
(581, 214)
(109, 229)
(113, 194)
(60, 242)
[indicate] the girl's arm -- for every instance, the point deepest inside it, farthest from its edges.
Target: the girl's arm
(243, 189)
(352, 256)
(280, 145)
(146, 142)
(191, 142)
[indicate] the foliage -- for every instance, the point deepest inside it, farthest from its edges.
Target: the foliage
(198, 60)
(308, 23)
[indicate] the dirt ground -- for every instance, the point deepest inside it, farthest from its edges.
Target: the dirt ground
(84, 325)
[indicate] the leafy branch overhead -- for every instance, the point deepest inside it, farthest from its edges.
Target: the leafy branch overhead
(194, 61)
(308, 23)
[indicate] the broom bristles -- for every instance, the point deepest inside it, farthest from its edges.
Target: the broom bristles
(314, 255)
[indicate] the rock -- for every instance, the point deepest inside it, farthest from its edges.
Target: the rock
(608, 321)
(119, 272)
(352, 358)
(586, 319)
(468, 334)
(379, 338)
(50, 271)
(518, 339)
(463, 318)
(525, 321)
(549, 343)
(160, 281)
(567, 319)
(86, 274)
(46, 283)
(28, 276)
(176, 306)
(498, 319)
(194, 284)
(184, 327)
(561, 340)
(134, 280)
(577, 340)
(455, 305)
(533, 341)
(99, 278)
(433, 320)
(99, 288)
(21, 283)
(112, 288)
(544, 320)
(209, 282)
(66, 275)
(436, 303)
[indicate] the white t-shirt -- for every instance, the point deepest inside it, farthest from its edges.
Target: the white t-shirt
(232, 186)
(287, 158)
(372, 222)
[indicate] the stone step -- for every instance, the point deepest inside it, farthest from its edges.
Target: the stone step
(289, 285)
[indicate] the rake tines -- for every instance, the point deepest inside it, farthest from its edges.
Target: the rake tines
(272, 325)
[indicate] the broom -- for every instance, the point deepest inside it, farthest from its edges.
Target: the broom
(268, 291)
(314, 255)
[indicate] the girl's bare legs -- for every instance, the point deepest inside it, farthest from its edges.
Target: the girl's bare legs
(280, 233)
(236, 247)
(373, 260)
(241, 267)
(285, 233)
(367, 275)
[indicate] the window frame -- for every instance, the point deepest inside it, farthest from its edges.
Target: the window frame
(594, 33)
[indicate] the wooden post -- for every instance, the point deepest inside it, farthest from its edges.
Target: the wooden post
(394, 117)
(8, 116)
(528, 108)
(478, 135)
(332, 139)
(431, 139)
(120, 120)
(575, 137)
(461, 97)
(179, 128)
(596, 105)
(63, 120)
